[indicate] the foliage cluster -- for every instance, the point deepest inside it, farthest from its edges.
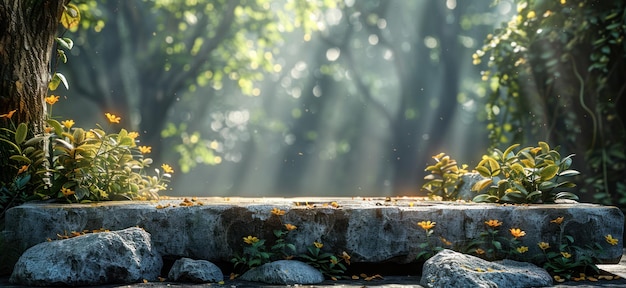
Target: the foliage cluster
(530, 175)
(556, 72)
(445, 178)
(255, 252)
(562, 259)
(73, 164)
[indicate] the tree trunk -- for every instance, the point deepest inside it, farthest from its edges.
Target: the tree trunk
(27, 32)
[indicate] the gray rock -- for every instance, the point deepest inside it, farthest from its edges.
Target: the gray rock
(123, 256)
(452, 269)
(195, 271)
(284, 272)
(465, 189)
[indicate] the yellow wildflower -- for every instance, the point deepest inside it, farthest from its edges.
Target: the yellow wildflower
(68, 123)
(23, 169)
(566, 255)
(318, 245)
(52, 99)
(558, 220)
(516, 232)
(426, 225)
(479, 251)
(522, 249)
(167, 168)
(112, 118)
(8, 115)
(278, 212)
(493, 223)
(563, 2)
(133, 135)
(250, 239)
(290, 227)
(543, 245)
(67, 192)
(609, 239)
(145, 150)
(531, 15)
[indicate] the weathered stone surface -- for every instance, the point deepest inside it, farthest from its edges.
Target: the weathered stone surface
(284, 272)
(370, 230)
(195, 271)
(451, 269)
(467, 181)
(124, 256)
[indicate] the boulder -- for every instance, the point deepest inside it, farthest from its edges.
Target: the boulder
(195, 271)
(452, 269)
(124, 256)
(284, 272)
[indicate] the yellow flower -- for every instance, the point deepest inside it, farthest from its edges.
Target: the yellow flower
(566, 255)
(52, 99)
(493, 223)
(23, 169)
(68, 123)
(318, 245)
(112, 118)
(133, 135)
(67, 192)
(250, 239)
(479, 251)
(563, 2)
(558, 220)
(522, 249)
(167, 168)
(609, 239)
(290, 227)
(543, 245)
(426, 225)
(516, 232)
(278, 212)
(345, 257)
(531, 15)
(8, 115)
(145, 150)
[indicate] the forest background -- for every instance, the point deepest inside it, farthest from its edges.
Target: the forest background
(346, 98)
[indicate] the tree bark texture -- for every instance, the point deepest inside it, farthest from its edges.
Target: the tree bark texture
(27, 32)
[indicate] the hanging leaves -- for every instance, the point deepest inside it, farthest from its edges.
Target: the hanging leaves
(70, 17)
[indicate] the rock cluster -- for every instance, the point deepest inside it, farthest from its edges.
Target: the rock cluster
(128, 256)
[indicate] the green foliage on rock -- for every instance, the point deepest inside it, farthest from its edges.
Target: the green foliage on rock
(530, 175)
(445, 178)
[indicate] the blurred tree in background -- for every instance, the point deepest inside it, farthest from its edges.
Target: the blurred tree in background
(557, 72)
(325, 97)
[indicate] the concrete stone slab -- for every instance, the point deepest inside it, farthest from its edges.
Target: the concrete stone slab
(369, 229)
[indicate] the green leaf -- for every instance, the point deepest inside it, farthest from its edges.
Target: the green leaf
(17, 148)
(549, 172)
(58, 129)
(20, 133)
(483, 171)
(20, 158)
(496, 244)
(485, 198)
(482, 184)
(65, 42)
(568, 173)
(57, 79)
(505, 155)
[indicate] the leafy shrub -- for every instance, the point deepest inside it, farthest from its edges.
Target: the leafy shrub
(445, 178)
(532, 175)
